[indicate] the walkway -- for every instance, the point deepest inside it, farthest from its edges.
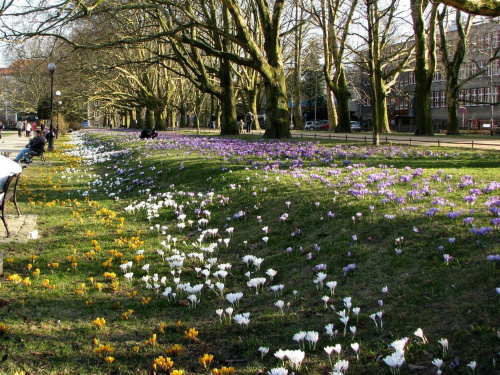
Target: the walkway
(491, 143)
(20, 227)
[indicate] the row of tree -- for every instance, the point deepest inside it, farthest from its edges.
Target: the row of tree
(162, 58)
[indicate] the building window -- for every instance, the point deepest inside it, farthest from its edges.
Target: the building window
(442, 99)
(96, 103)
(96, 114)
(438, 76)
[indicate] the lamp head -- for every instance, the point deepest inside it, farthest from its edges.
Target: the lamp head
(51, 67)
(58, 93)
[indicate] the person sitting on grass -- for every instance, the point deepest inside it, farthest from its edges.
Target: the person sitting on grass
(36, 145)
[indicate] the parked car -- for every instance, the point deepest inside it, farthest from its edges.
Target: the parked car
(355, 126)
(308, 125)
(321, 125)
(85, 124)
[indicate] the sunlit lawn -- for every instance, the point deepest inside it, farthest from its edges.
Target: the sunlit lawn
(338, 251)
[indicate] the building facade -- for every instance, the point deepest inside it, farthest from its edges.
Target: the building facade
(479, 95)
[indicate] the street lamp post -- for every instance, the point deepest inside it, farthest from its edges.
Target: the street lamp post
(52, 68)
(58, 94)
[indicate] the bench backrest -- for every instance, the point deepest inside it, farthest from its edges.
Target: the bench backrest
(11, 181)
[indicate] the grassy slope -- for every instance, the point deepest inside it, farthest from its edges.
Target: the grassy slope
(457, 301)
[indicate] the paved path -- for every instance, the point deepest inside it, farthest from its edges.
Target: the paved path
(20, 227)
(491, 143)
(12, 143)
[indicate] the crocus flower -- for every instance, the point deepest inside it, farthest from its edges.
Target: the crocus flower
(420, 333)
(331, 285)
(374, 318)
(472, 365)
(355, 347)
(341, 366)
(278, 371)
(447, 258)
(263, 351)
(438, 362)
(312, 337)
(444, 344)
(280, 304)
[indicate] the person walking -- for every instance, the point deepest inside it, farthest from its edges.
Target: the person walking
(2, 127)
(248, 121)
(27, 128)
(20, 128)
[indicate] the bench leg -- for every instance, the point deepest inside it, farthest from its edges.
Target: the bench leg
(5, 222)
(15, 204)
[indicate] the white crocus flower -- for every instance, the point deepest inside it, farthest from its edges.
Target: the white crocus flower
(355, 347)
(278, 371)
(295, 357)
(345, 320)
(338, 349)
(353, 331)
(472, 365)
(220, 313)
(271, 273)
(438, 362)
(263, 351)
(325, 299)
(280, 354)
(399, 345)
(332, 285)
(444, 344)
(341, 366)
(420, 333)
(374, 318)
(280, 304)
(299, 337)
(312, 337)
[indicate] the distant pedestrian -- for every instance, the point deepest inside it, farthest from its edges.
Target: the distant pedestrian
(33, 127)
(20, 128)
(1, 128)
(248, 120)
(27, 128)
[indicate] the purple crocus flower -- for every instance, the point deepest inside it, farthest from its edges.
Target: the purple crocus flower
(447, 258)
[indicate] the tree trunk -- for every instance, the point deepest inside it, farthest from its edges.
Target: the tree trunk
(277, 110)
(229, 124)
(139, 123)
(332, 111)
(375, 105)
(425, 64)
(451, 106)
(251, 95)
(182, 110)
(160, 119)
(149, 121)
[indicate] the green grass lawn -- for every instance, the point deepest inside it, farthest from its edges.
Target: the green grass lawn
(130, 231)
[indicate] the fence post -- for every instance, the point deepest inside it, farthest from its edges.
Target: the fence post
(472, 144)
(346, 138)
(385, 139)
(410, 141)
(439, 143)
(330, 136)
(365, 138)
